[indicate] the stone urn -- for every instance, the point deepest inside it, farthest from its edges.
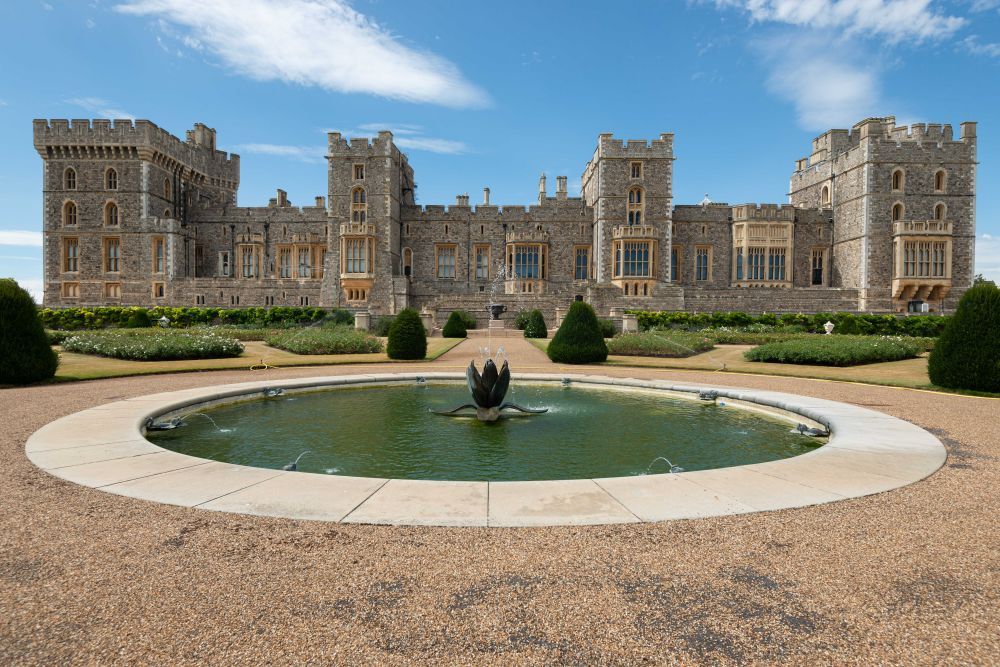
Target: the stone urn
(496, 310)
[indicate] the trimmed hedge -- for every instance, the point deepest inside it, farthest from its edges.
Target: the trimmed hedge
(455, 326)
(844, 323)
(536, 326)
(835, 350)
(407, 338)
(467, 318)
(967, 356)
(340, 339)
(382, 325)
(153, 344)
(116, 316)
(521, 319)
(660, 343)
(25, 353)
(579, 339)
(607, 327)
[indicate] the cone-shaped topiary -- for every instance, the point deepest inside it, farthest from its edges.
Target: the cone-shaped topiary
(138, 319)
(407, 338)
(579, 339)
(25, 353)
(455, 326)
(535, 328)
(967, 355)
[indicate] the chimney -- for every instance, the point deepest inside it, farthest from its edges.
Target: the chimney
(968, 130)
(320, 202)
(561, 187)
(462, 200)
(282, 199)
(541, 188)
(486, 196)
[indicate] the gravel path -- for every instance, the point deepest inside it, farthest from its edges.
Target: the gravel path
(906, 577)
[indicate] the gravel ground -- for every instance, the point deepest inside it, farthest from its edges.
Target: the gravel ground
(906, 577)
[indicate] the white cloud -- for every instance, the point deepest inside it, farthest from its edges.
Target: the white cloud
(20, 237)
(431, 145)
(321, 43)
(34, 286)
(100, 107)
(90, 23)
(971, 44)
(47, 7)
(988, 256)
(314, 154)
(892, 20)
(984, 5)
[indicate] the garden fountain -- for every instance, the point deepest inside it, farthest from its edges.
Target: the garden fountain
(488, 391)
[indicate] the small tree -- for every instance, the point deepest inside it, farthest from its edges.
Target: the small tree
(455, 326)
(25, 353)
(407, 338)
(967, 355)
(579, 339)
(535, 328)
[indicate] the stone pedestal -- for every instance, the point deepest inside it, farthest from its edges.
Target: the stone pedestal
(362, 320)
(560, 314)
(630, 323)
(427, 318)
(497, 326)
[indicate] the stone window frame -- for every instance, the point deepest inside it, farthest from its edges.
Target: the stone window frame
(898, 185)
(358, 171)
(676, 267)
(940, 211)
(111, 179)
(159, 255)
(635, 169)
(824, 266)
(112, 262)
(69, 290)
(159, 290)
(515, 248)
(618, 260)
(167, 189)
(940, 181)
(112, 290)
(69, 178)
(912, 253)
(285, 270)
(408, 261)
(588, 251)
(70, 260)
(225, 264)
(824, 195)
(476, 254)
(70, 213)
(444, 248)
(254, 255)
(112, 213)
(635, 205)
(367, 245)
(898, 211)
(359, 205)
(706, 251)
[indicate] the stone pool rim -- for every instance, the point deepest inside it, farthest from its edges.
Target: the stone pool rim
(103, 447)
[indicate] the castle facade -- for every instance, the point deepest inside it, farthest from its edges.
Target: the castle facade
(880, 218)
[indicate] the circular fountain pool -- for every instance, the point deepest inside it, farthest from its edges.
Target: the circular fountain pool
(389, 431)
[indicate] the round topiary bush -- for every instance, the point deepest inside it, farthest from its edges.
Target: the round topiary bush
(467, 318)
(535, 328)
(407, 338)
(967, 355)
(521, 319)
(25, 353)
(579, 339)
(455, 326)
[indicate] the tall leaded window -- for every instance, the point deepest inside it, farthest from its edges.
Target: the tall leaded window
(159, 254)
(71, 255)
(755, 263)
(940, 210)
(581, 267)
(739, 264)
(776, 264)
(632, 259)
(285, 263)
(482, 262)
(938, 259)
(359, 205)
(702, 263)
(111, 179)
(446, 261)
(675, 264)
(898, 180)
(69, 213)
(940, 180)
(635, 206)
(356, 256)
(248, 261)
(897, 212)
(635, 169)
(69, 178)
(818, 255)
(527, 261)
(112, 255)
(111, 214)
(304, 268)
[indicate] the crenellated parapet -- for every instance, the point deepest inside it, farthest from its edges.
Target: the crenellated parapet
(768, 212)
(609, 147)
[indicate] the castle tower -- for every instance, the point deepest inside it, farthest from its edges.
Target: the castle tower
(903, 203)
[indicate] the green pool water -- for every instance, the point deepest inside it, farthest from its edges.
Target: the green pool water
(388, 431)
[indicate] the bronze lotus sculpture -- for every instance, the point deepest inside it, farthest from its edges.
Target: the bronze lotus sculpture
(488, 391)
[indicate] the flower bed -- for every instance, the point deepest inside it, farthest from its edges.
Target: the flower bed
(657, 343)
(326, 340)
(835, 350)
(153, 344)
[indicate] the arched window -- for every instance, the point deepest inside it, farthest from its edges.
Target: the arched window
(111, 179)
(359, 205)
(940, 180)
(635, 206)
(940, 211)
(407, 262)
(69, 213)
(166, 213)
(166, 189)
(897, 212)
(111, 214)
(825, 195)
(69, 179)
(898, 180)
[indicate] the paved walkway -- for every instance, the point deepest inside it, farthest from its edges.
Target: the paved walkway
(521, 355)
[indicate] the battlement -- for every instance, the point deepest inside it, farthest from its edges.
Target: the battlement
(198, 152)
(609, 147)
(491, 213)
(340, 146)
(769, 212)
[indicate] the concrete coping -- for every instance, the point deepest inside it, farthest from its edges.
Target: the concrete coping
(103, 447)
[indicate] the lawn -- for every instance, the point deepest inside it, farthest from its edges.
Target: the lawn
(74, 366)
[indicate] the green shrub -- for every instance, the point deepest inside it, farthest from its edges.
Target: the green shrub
(579, 339)
(521, 319)
(660, 343)
(535, 328)
(239, 333)
(835, 350)
(844, 323)
(467, 318)
(607, 327)
(154, 344)
(25, 353)
(382, 325)
(116, 316)
(454, 327)
(340, 316)
(138, 319)
(341, 339)
(967, 356)
(57, 337)
(407, 338)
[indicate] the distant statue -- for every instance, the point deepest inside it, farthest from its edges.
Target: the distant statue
(496, 310)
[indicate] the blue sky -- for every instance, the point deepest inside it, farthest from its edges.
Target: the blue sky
(491, 94)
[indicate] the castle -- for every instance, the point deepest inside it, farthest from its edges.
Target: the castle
(880, 219)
